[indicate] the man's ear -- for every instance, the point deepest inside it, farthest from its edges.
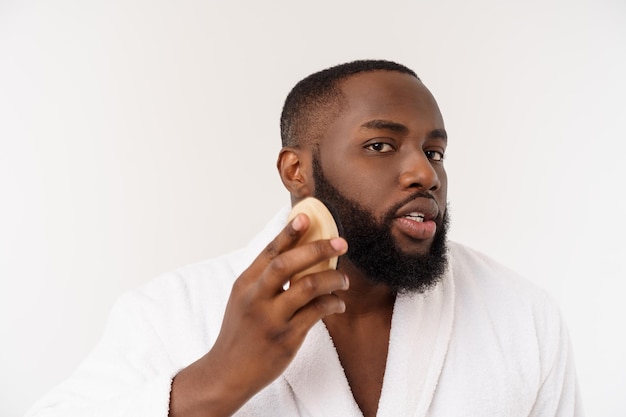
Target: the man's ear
(294, 167)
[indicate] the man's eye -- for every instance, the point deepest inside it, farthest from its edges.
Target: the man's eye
(380, 147)
(434, 155)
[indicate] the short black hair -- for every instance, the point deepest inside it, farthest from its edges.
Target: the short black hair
(314, 102)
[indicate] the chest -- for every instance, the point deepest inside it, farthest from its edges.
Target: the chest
(363, 357)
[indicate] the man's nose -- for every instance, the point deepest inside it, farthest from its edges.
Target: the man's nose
(418, 172)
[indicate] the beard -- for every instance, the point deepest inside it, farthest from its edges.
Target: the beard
(371, 246)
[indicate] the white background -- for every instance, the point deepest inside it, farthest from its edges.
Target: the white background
(138, 136)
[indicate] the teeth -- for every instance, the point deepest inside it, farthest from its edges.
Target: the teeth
(418, 217)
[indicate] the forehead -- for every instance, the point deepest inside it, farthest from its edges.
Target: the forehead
(388, 95)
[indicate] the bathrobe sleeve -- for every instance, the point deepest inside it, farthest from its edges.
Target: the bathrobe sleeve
(152, 333)
(128, 373)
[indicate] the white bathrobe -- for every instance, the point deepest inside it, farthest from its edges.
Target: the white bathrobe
(484, 343)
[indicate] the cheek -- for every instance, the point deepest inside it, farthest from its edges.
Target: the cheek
(443, 179)
(368, 186)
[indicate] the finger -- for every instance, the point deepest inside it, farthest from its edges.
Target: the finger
(309, 287)
(315, 310)
(287, 264)
(285, 240)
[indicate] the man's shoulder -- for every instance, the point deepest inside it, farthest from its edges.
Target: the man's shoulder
(466, 256)
(206, 278)
(477, 273)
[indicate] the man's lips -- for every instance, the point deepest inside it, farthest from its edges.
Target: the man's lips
(422, 207)
(416, 219)
(419, 230)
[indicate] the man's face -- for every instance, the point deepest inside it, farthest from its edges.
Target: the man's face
(379, 168)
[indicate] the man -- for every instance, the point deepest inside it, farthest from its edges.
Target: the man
(408, 324)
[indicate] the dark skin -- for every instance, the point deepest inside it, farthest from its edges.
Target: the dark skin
(385, 145)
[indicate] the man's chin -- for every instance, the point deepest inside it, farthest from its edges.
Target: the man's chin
(412, 247)
(409, 245)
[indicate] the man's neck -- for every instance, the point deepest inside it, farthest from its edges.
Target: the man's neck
(364, 298)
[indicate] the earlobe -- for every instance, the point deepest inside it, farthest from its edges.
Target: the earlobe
(292, 167)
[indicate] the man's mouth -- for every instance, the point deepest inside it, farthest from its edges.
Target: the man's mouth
(415, 216)
(417, 219)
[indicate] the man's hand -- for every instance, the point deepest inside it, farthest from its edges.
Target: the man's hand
(263, 326)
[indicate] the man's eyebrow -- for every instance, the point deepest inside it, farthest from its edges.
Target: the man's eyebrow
(400, 128)
(438, 134)
(385, 125)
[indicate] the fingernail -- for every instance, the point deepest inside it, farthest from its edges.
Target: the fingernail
(297, 223)
(346, 282)
(338, 244)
